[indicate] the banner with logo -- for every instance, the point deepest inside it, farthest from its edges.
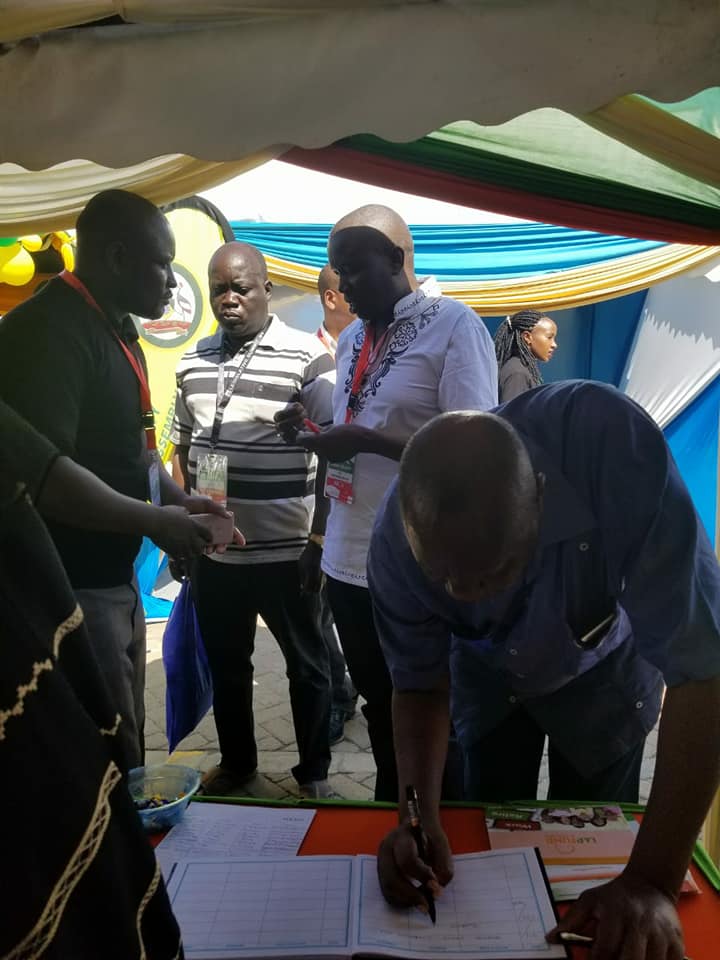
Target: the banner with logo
(199, 230)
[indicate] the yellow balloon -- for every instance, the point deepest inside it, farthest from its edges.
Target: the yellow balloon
(7, 253)
(32, 243)
(68, 256)
(19, 270)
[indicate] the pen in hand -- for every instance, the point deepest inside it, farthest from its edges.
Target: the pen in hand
(578, 939)
(416, 829)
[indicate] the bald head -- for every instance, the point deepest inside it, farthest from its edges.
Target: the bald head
(125, 250)
(237, 252)
(383, 219)
(371, 249)
(115, 215)
(239, 291)
(470, 502)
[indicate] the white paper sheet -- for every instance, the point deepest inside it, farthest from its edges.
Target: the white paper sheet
(224, 831)
(497, 906)
(263, 908)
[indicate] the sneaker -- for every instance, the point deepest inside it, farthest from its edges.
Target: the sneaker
(318, 790)
(337, 725)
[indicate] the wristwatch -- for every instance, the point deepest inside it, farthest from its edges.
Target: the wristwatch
(318, 539)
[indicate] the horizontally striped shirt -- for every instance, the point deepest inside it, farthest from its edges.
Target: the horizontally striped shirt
(270, 484)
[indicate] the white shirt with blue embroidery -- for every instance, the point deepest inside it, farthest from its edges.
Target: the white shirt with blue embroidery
(438, 357)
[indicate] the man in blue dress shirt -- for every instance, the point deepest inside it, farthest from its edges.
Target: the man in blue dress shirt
(543, 569)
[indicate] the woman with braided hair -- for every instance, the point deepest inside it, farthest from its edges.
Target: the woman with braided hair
(522, 340)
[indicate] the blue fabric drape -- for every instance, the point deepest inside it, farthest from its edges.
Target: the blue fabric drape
(693, 439)
(149, 564)
(593, 341)
(459, 252)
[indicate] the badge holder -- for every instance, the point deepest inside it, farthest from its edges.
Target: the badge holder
(339, 480)
(211, 477)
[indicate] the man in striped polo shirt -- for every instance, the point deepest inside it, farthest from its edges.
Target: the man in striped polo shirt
(229, 386)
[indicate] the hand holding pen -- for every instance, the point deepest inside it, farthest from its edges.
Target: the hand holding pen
(413, 808)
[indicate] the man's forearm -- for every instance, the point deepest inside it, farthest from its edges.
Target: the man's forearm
(379, 443)
(421, 727)
(77, 497)
(687, 773)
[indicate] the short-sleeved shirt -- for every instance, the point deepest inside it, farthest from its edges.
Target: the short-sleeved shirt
(619, 539)
(63, 370)
(439, 357)
(270, 484)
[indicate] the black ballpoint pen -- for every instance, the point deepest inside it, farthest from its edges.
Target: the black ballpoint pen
(413, 808)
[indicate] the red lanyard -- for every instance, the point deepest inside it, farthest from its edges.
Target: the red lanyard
(367, 356)
(148, 417)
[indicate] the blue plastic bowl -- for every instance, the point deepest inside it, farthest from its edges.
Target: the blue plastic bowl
(168, 780)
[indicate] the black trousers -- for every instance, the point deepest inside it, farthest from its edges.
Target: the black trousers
(505, 765)
(228, 598)
(343, 694)
(352, 609)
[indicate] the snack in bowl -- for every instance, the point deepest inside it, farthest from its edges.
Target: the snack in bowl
(161, 793)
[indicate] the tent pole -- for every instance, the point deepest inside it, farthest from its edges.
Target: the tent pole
(711, 827)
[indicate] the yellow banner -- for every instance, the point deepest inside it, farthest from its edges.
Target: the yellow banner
(188, 316)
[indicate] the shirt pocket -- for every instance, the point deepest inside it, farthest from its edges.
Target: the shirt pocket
(590, 607)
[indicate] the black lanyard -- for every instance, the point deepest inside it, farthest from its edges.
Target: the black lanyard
(224, 393)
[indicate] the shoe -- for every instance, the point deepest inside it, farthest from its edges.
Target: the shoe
(221, 782)
(337, 725)
(318, 790)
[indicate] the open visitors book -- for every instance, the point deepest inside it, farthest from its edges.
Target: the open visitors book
(498, 905)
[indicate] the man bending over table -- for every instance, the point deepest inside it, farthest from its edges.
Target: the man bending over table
(546, 566)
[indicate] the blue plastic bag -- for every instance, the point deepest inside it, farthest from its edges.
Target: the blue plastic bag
(189, 683)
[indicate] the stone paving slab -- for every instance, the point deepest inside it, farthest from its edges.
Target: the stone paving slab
(352, 771)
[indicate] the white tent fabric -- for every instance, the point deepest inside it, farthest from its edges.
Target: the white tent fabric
(284, 193)
(311, 73)
(676, 353)
(46, 200)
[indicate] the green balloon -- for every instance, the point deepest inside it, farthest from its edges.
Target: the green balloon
(7, 241)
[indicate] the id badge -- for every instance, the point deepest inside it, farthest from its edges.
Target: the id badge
(211, 477)
(154, 478)
(339, 480)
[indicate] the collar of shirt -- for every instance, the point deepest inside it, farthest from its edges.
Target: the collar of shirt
(327, 339)
(124, 327)
(414, 301)
(271, 340)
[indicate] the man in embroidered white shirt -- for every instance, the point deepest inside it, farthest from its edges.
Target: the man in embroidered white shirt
(413, 354)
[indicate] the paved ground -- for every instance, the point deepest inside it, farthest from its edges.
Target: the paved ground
(352, 771)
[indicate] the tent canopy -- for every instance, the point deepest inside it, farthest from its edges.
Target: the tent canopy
(221, 80)
(180, 95)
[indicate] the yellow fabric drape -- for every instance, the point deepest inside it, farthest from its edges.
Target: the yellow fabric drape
(555, 291)
(23, 18)
(660, 135)
(46, 200)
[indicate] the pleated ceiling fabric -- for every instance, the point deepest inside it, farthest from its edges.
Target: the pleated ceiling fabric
(221, 81)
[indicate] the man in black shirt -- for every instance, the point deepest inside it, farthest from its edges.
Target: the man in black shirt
(70, 363)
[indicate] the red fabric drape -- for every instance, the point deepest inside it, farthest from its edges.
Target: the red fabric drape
(426, 182)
